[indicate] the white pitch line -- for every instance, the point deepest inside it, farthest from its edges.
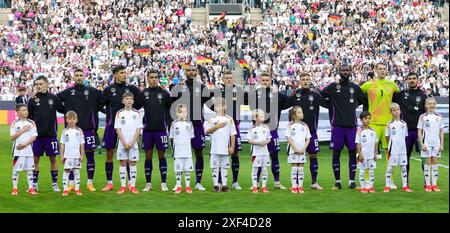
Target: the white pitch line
(440, 165)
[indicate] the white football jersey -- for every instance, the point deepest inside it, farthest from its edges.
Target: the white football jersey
(259, 133)
(431, 125)
(128, 121)
(397, 132)
(367, 138)
(16, 126)
(220, 139)
(299, 133)
(181, 132)
(72, 138)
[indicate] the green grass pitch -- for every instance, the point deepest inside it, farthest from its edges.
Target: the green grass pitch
(242, 201)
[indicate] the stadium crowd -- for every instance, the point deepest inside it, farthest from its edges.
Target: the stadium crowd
(51, 38)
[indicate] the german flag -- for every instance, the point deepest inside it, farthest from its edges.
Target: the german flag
(203, 59)
(243, 63)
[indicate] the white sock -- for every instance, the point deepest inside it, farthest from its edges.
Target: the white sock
(76, 175)
(123, 176)
(224, 175)
(388, 175)
(264, 177)
(362, 180)
(294, 173)
(435, 174)
(254, 176)
(65, 180)
(426, 173)
(371, 177)
(215, 174)
(89, 181)
(404, 173)
(300, 176)
(30, 179)
(15, 179)
(133, 174)
(178, 179)
(187, 179)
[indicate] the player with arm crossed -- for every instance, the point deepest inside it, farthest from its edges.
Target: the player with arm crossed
(23, 133)
(222, 131)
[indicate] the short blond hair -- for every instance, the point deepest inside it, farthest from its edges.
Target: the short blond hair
(71, 114)
(394, 105)
(257, 112)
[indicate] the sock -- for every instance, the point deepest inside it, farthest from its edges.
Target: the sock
(15, 179)
(426, 172)
(90, 165)
(235, 167)
(187, 179)
(408, 167)
(76, 174)
(30, 179)
(219, 177)
(66, 180)
(300, 176)
(404, 176)
(371, 177)
(163, 169)
(336, 164)
(314, 168)
(109, 167)
(128, 171)
(178, 179)
(122, 175)
(275, 167)
(294, 173)
(35, 176)
(352, 165)
(362, 182)
(255, 176)
(264, 177)
(199, 169)
(435, 174)
(133, 173)
(388, 176)
(54, 176)
(224, 176)
(258, 175)
(148, 167)
(215, 175)
(71, 178)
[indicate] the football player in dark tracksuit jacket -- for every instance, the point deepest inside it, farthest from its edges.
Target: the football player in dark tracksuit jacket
(42, 110)
(84, 100)
(112, 100)
(344, 98)
(194, 94)
(156, 103)
(310, 102)
(412, 105)
(265, 97)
